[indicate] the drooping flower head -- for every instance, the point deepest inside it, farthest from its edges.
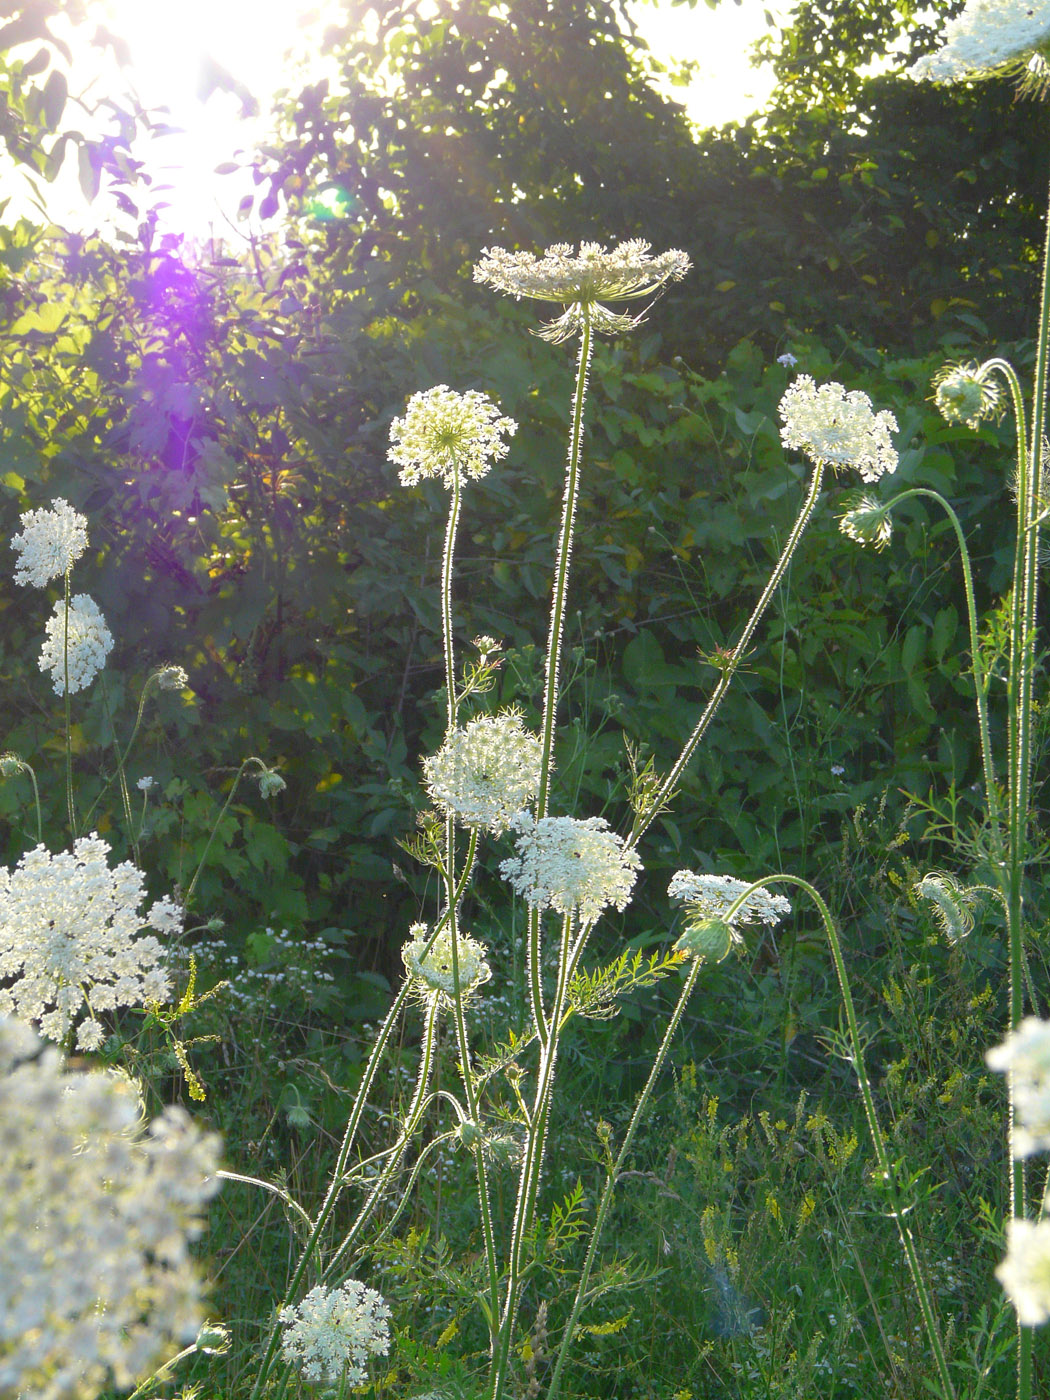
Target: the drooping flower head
(431, 972)
(90, 642)
(710, 933)
(97, 1283)
(69, 939)
(333, 1332)
(567, 864)
(836, 428)
(966, 394)
(989, 36)
(583, 281)
(448, 435)
(50, 543)
(1025, 1272)
(867, 521)
(1025, 1056)
(486, 772)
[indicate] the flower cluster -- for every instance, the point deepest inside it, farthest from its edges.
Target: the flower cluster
(89, 643)
(486, 772)
(50, 543)
(712, 896)
(334, 1331)
(97, 1280)
(567, 864)
(966, 394)
(867, 521)
(986, 36)
(1025, 1056)
(69, 930)
(583, 281)
(448, 435)
(837, 428)
(431, 971)
(1025, 1271)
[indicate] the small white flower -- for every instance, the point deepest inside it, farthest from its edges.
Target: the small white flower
(1025, 1056)
(172, 678)
(334, 1331)
(838, 429)
(50, 543)
(988, 35)
(837, 770)
(448, 435)
(144, 784)
(271, 783)
(788, 360)
(89, 644)
(432, 971)
(486, 772)
(711, 896)
(564, 864)
(583, 281)
(1025, 1272)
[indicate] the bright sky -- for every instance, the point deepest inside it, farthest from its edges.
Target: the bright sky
(170, 44)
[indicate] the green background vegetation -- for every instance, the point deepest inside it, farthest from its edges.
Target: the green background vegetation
(222, 419)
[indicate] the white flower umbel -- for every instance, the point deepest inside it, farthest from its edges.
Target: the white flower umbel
(485, 772)
(867, 521)
(567, 864)
(90, 643)
(966, 394)
(1025, 1056)
(50, 543)
(431, 972)
(838, 429)
(1025, 1272)
(988, 36)
(445, 434)
(69, 939)
(97, 1284)
(712, 895)
(334, 1331)
(583, 281)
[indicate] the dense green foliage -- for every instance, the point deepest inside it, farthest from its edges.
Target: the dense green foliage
(222, 419)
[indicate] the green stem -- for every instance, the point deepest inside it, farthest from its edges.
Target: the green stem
(887, 1170)
(666, 789)
(218, 823)
(980, 675)
(611, 1181)
(68, 716)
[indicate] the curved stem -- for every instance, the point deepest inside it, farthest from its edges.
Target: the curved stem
(980, 675)
(218, 823)
(647, 816)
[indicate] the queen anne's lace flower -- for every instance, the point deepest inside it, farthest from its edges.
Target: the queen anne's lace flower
(90, 642)
(966, 394)
(446, 434)
(711, 897)
(986, 36)
(69, 936)
(568, 864)
(431, 972)
(486, 772)
(583, 281)
(1025, 1272)
(50, 543)
(1025, 1056)
(334, 1331)
(97, 1283)
(867, 521)
(838, 429)
(172, 678)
